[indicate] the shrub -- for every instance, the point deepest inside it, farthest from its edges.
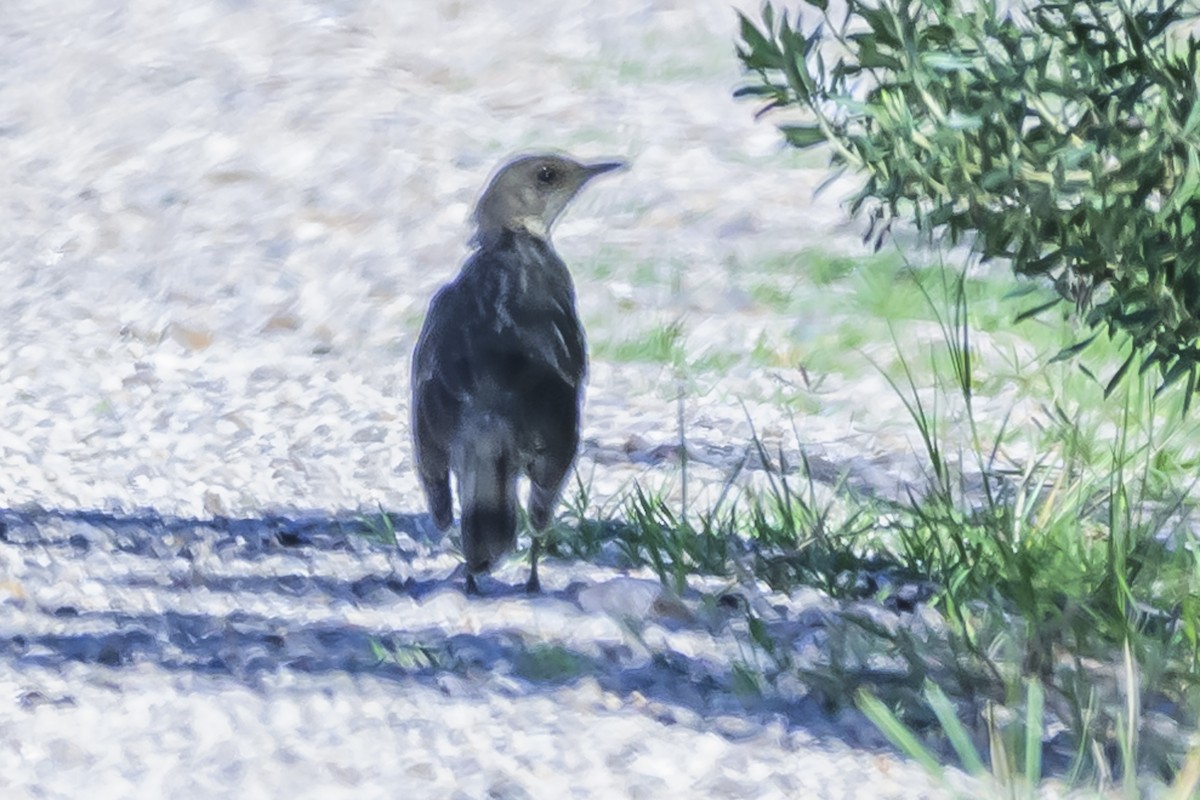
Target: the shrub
(1064, 137)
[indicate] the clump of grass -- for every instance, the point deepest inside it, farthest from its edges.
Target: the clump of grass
(581, 530)
(377, 528)
(797, 537)
(786, 534)
(408, 656)
(824, 268)
(1016, 759)
(772, 295)
(1015, 748)
(1050, 568)
(1051, 572)
(549, 663)
(662, 344)
(670, 543)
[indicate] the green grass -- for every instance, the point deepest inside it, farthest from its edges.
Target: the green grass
(376, 528)
(774, 294)
(1050, 573)
(548, 663)
(823, 268)
(409, 656)
(662, 344)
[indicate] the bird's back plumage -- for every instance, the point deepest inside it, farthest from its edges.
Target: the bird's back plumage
(498, 376)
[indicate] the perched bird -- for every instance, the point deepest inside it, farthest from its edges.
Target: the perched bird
(499, 368)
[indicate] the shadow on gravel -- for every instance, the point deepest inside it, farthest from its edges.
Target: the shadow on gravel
(147, 532)
(149, 560)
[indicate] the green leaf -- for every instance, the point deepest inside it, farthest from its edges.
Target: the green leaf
(869, 54)
(768, 16)
(762, 53)
(759, 90)
(957, 121)
(946, 62)
(801, 136)
(1181, 368)
(1115, 380)
(882, 24)
(1072, 350)
(1033, 312)
(829, 180)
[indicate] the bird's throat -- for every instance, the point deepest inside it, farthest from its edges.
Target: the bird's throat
(535, 226)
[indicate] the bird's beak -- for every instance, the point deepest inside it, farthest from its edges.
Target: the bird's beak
(601, 167)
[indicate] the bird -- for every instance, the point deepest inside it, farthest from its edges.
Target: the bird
(499, 366)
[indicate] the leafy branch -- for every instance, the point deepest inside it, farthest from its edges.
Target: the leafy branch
(1061, 136)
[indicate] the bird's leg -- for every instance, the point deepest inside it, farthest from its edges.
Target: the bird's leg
(437, 497)
(533, 585)
(541, 505)
(472, 589)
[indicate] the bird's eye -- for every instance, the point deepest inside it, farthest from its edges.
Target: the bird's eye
(547, 174)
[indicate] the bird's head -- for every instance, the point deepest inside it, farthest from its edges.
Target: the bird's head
(529, 192)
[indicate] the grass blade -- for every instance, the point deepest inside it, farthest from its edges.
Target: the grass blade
(1034, 709)
(898, 733)
(960, 738)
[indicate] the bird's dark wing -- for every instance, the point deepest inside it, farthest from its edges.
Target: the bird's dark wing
(502, 339)
(440, 384)
(436, 403)
(543, 342)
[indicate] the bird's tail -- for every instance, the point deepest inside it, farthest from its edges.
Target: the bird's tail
(488, 492)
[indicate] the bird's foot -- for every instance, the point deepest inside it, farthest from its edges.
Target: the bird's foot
(472, 587)
(533, 585)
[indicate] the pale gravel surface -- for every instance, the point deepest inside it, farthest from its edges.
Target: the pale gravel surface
(220, 224)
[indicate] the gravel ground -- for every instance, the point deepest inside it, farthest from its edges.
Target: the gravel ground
(220, 226)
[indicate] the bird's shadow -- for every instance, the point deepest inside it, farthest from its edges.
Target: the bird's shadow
(273, 560)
